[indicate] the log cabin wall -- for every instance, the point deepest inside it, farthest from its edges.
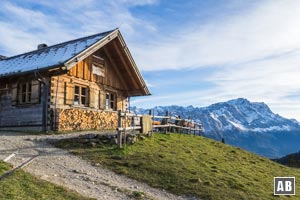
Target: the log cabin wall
(20, 111)
(88, 96)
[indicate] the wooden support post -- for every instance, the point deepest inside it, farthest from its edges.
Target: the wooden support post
(181, 125)
(125, 117)
(119, 137)
(124, 139)
(152, 121)
(167, 121)
(133, 124)
(152, 118)
(44, 102)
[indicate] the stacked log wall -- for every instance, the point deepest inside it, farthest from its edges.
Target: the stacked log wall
(18, 117)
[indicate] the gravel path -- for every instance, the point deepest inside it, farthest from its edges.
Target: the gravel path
(60, 167)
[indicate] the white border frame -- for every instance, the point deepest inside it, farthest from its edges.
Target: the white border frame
(293, 177)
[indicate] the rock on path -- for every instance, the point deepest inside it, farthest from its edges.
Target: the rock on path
(60, 167)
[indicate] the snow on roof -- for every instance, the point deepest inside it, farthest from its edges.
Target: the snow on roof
(48, 57)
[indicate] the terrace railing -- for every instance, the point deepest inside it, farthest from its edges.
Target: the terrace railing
(147, 124)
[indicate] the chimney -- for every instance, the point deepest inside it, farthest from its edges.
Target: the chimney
(2, 57)
(42, 46)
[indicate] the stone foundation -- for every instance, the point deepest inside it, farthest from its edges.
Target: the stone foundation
(96, 140)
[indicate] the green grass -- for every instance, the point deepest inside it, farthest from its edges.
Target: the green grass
(23, 186)
(191, 165)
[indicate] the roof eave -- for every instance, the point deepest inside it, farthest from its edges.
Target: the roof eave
(144, 87)
(31, 71)
(90, 50)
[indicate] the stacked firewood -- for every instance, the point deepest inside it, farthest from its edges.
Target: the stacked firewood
(83, 119)
(127, 122)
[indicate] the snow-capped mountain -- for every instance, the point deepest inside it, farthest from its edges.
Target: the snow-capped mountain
(250, 125)
(242, 115)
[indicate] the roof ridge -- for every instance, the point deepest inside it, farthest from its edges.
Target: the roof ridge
(59, 44)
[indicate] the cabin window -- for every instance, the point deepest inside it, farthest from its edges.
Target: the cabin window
(25, 92)
(4, 88)
(110, 102)
(80, 95)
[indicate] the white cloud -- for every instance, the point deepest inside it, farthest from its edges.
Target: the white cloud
(23, 27)
(270, 28)
(138, 2)
(257, 53)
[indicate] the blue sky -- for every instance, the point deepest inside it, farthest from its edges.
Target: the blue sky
(192, 52)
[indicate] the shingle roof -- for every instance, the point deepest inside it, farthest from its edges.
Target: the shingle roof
(48, 57)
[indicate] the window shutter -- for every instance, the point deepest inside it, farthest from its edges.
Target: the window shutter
(14, 94)
(69, 93)
(102, 99)
(99, 100)
(35, 91)
(92, 98)
(119, 104)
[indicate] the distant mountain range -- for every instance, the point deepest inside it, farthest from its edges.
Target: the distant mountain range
(291, 160)
(250, 125)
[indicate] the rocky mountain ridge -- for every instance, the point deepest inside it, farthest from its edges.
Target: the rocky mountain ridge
(250, 125)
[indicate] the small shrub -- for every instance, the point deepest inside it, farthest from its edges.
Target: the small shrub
(138, 194)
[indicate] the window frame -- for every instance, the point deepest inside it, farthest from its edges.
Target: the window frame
(81, 95)
(24, 92)
(110, 100)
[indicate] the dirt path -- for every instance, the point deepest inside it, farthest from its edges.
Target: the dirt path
(60, 167)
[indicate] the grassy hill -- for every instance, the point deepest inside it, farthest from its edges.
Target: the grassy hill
(191, 165)
(23, 186)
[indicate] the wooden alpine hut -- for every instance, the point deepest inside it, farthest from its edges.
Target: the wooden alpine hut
(74, 85)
